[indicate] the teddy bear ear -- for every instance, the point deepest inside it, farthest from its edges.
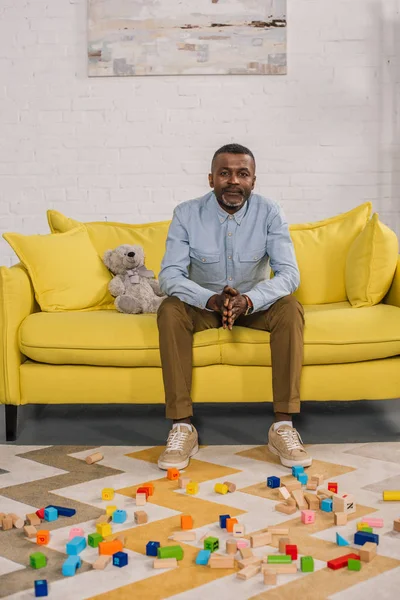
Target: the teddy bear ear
(107, 258)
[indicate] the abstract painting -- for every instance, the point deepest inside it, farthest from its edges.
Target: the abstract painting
(186, 37)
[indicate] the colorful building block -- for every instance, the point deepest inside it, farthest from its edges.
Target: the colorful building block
(307, 516)
(373, 522)
(94, 540)
(297, 470)
(222, 520)
(152, 548)
(303, 478)
(361, 525)
(40, 513)
(110, 548)
(76, 545)
(211, 543)
(143, 490)
(75, 532)
(120, 559)
(41, 588)
(119, 516)
(50, 514)
(170, 552)
(37, 560)
(367, 529)
(341, 541)
(70, 565)
(149, 487)
(326, 505)
(273, 482)
(192, 488)
(341, 561)
(104, 529)
(43, 537)
(230, 523)
(391, 495)
(186, 522)
(221, 488)
(203, 557)
(107, 494)
(361, 537)
(354, 564)
(279, 559)
(110, 510)
(333, 487)
(63, 511)
(307, 564)
(291, 550)
(173, 474)
(344, 503)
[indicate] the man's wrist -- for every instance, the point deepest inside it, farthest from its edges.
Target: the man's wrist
(211, 302)
(250, 306)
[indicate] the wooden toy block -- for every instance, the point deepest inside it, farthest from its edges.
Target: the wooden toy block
(110, 548)
(119, 516)
(396, 525)
(152, 548)
(183, 482)
(230, 523)
(211, 543)
(287, 509)
(171, 552)
(354, 565)
(37, 560)
(94, 458)
(94, 540)
(141, 499)
(173, 474)
(260, 539)
(203, 557)
(120, 559)
(361, 525)
(101, 562)
(325, 492)
(41, 588)
(291, 501)
(143, 490)
(248, 572)
(183, 536)
(367, 529)
(149, 487)
(17, 522)
(107, 494)
(221, 488)
(303, 478)
(307, 564)
(312, 501)
(361, 537)
(231, 547)
(311, 485)
(140, 517)
(222, 520)
(246, 552)
(186, 522)
(291, 550)
(300, 500)
(231, 486)
(307, 516)
(273, 482)
(391, 495)
(103, 529)
(70, 566)
(333, 487)
(341, 541)
(283, 493)
(43, 537)
(278, 530)
(270, 578)
(103, 519)
(165, 563)
(280, 569)
(110, 510)
(344, 503)
(341, 561)
(251, 560)
(204, 536)
(326, 505)
(274, 559)
(30, 531)
(242, 543)
(33, 519)
(7, 523)
(121, 537)
(221, 562)
(192, 488)
(368, 551)
(340, 518)
(297, 470)
(373, 522)
(2, 516)
(318, 478)
(238, 530)
(283, 542)
(40, 513)
(291, 484)
(76, 545)
(63, 511)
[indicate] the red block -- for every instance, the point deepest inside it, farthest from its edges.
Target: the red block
(342, 561)
(143, 490)
(291, 550)
(40, 513)
(149, 487)
(333, 487)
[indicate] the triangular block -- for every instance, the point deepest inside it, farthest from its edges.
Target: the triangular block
(341, 541)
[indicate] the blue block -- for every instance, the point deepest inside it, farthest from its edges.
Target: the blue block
(120, 559)
(62, 511)
(151, 548)
(362, 537)
(303, 478)
(70, 565)
(297, 470)
(119, 516)
(76, 545)
(341, 541)
(222, 520)
(41, 588)
(326, 505)
(50, 514)
(203, 557)
(273, 482)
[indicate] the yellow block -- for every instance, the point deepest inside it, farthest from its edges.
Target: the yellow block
(391, 495)
(360, 526)
(221, 488)
(192, 488)
(107, 494)
(110, 510)
(104, 529)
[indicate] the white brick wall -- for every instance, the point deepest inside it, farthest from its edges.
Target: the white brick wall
(326, 136)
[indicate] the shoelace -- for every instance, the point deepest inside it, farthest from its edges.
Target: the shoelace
(176, 439)
(291, 438)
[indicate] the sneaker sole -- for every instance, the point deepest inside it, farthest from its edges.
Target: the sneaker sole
(307, 462)
(165, 465)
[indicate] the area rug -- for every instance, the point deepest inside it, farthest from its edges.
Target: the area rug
(32, 477)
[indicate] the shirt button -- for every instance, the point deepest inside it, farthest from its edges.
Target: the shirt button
(203, 259)
(230, 216)
(230, 278)
(229, 233)
(229, 256)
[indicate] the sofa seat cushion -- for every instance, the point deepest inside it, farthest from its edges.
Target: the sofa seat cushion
(334, 333)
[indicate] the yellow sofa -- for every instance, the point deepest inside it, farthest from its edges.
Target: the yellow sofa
(102, 356)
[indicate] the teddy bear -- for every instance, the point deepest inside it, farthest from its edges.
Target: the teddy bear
(134, 287)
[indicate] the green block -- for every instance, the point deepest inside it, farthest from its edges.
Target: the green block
(307, 564)
(170, 552)
(279, 559)
(211, 543)
(369, 529)
(37, 560)
(94, 539)
(354, 564)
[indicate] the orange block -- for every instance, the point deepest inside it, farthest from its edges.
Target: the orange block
(43, 537)
(149, 487)
(173, 474)
(110, 548)
(186, 522)
(230, 523)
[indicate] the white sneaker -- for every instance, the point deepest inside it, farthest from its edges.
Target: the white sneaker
(182, 444)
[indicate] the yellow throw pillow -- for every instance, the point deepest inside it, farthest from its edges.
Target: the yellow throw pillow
(371, 264)
(321, 250)
(65, 269)
(107, 236)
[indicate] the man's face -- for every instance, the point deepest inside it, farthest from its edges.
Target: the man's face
(233, 178)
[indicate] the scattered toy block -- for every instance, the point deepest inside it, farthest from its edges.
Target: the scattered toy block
(221, 562)
(104, 529)
(260, 539)
(192, 488)
(283, 542)
(280, 569)
(373, 522)
(231, 486)
(183, 536)
(107, 494)
(248, 572)
(110, 548)
(94, 458)
(119, 516)
(103, 519)
(222, 520)
(17, 522)
(149, 487)
(270, 578)
(361, 537)
(354, 564)
(300, 500)
(43, 537)
(246, 553)
(33, 519)
(221, 488)
(152, 548)
(341, 561)
(231, 546)
(291, 501)
(94, 540)
(241, 543)
(284, 493)
(307, 564)
(41, 588)
(230, 523)
(75, 532)
(40, 513)
(183, 482)
(345, 503)
(203, 557)
(70, 566)
(361, 525)
(50, 514)
(318, 478)
(141, 499)
(140, 517)
(250, 560)
(238, 530)
(171, 552)
(396, 525)
(101, 562)
(326, 505)
(63, 511)
(278, 530)
(286, 509)
(341, 541)
(291, 484)
(307, 516)
(273, 482)
(30, 531)
(312, 501)
(186, 522)
(173, 474)
(367, 529)
(211, 543)
(297, 470)
(291, 550)
(391, 495)
(333, 487)
(165, 563)
(368, 551)
(311, 485)
(340, 518)
(303, 478)
(6, 523)
(143, 490)
(120, 559)
(75, 546)
(110, 510)
(274, 559)
(37, 560)
(325, 492)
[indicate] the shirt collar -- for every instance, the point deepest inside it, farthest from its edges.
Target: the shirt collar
(223, 215)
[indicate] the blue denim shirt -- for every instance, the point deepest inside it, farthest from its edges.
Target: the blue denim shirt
(207, 248)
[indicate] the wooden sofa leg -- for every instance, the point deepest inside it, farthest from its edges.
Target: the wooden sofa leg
(11, 422)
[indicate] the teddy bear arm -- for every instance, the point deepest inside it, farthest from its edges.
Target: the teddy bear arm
(116, 286)
(156, 287)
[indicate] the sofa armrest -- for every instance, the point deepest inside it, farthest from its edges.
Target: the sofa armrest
(17, 301)
(393, 295)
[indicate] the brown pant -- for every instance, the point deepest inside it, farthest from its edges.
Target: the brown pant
(177, 322)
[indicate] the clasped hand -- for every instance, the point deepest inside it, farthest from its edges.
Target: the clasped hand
(231, 305)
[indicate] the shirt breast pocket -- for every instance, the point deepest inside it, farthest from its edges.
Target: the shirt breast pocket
(252, 264)
(205, 266)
